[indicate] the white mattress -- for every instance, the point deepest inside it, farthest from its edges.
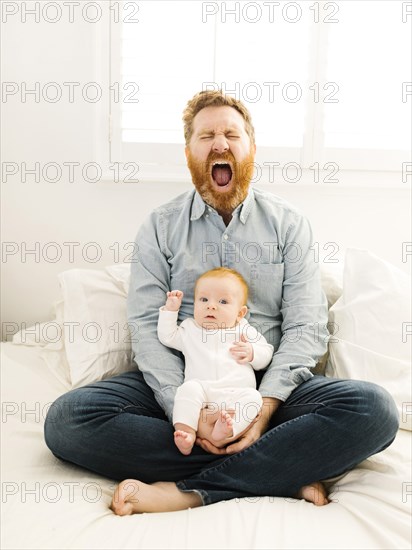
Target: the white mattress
(50, 504)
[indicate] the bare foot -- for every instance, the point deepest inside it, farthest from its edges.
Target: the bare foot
(315, 492)
(133, 497)
(184, 441)
(223, 427)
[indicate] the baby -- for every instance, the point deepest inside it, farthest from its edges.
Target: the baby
(221, 350)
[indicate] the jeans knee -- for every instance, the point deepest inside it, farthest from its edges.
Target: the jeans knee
(381, 409)
(54, 424)
(60, 420)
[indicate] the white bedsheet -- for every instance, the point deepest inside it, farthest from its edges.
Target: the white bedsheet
(50, 504)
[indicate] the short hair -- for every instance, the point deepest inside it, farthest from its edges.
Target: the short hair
(224, 272)
(214, 98)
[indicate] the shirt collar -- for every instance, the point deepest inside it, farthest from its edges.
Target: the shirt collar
(246, 206)
(199, 206)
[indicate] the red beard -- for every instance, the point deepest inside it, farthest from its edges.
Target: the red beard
(222, 201)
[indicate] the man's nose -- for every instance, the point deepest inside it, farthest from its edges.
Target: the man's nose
(220, 144)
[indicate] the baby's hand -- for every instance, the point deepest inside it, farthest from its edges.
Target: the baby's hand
(174, 300)
(242, 351)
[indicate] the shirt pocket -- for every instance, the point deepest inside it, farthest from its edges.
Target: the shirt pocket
(266, 287)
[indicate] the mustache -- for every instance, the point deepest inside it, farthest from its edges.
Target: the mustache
(222, 156)
(205, 166)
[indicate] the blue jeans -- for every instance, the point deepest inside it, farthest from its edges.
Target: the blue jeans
(116, 428)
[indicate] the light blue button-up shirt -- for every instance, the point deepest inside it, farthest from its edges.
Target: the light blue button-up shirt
(269, 242)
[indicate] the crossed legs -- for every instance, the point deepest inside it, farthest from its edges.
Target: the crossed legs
(116, 428)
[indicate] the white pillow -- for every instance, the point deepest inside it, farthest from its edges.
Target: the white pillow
(367, 343)
(50, 337)
(53, 351)
(96, 334)
(331, 280)
(120, 274)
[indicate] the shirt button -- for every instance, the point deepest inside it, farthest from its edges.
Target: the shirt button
(225, 237)
(207, 215)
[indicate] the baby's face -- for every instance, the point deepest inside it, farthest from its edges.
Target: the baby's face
(219, 302)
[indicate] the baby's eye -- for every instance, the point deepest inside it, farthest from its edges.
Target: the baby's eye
(223, 301)
(203, 299)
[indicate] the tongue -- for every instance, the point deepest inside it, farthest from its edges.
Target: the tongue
(222, 174)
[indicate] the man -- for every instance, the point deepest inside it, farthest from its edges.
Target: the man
(313, 428)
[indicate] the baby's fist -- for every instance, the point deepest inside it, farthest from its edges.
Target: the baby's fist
(174, 300)
(242, 351)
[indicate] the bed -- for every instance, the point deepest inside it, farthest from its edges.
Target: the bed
(47, 503)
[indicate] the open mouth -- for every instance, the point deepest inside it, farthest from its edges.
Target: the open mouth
(221, 173)
(210, 317)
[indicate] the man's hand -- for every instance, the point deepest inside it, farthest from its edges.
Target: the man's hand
(249, 436)
(242, 351)
(174, 300)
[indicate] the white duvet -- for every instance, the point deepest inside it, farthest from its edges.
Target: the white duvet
(50, 504)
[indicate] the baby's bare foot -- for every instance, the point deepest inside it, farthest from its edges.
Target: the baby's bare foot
(223, 427)
(314, 492)
(134, 497)
(184, 441)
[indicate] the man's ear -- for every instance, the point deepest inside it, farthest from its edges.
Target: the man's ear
(242, 312)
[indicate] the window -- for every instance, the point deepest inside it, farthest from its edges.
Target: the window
(326, 82)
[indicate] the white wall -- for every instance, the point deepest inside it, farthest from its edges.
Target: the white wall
(108, 213)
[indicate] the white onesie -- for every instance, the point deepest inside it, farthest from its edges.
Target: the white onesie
(212, 375)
